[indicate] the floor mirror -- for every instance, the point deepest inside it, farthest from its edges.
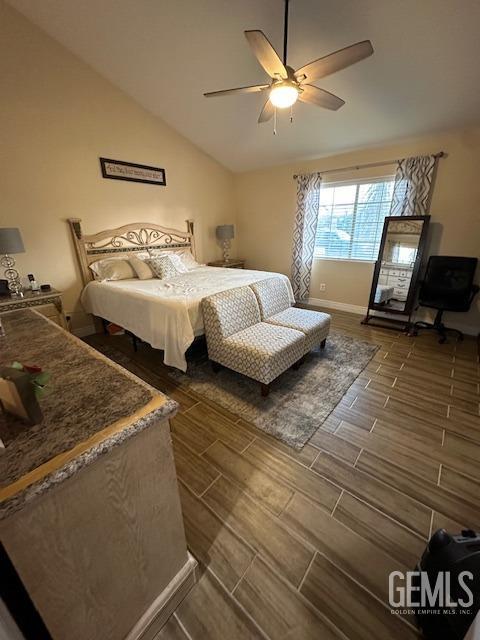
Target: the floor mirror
(397, 270)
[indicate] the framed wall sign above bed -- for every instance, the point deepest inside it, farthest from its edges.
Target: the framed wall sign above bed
(120, 170)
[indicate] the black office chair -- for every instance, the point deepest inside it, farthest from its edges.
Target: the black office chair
(447, 286)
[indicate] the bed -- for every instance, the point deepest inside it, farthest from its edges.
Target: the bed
(165, 313)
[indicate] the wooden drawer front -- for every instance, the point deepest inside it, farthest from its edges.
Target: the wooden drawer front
(400, 293)
(397, 281)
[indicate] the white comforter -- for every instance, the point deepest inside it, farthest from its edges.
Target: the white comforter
(166, 313)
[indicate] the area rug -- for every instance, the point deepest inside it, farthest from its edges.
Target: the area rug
(299, 401)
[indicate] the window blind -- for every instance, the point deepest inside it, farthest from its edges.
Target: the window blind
(350, 219)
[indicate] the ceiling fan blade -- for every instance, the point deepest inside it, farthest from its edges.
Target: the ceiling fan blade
(320, 97)
(267, 112)
(335, 61)
(226, 92)
(266, 54)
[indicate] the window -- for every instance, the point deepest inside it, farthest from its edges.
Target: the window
(350, 218)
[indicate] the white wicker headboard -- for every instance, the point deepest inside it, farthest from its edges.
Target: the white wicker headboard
(128, 239)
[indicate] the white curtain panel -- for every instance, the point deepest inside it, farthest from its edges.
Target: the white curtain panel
(413, 185)
(306, 218)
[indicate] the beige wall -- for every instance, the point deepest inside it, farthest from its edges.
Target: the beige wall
(266, 205)
(57, 116)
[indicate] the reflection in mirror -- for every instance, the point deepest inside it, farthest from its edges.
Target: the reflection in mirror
(397, 263)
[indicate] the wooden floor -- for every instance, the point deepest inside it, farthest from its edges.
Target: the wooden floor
(300, 545)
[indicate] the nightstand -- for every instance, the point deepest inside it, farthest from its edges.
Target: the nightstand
(233, 263)
(48, 303)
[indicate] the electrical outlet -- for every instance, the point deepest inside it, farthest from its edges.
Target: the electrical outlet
(322, 286)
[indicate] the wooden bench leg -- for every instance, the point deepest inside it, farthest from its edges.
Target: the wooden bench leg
(297, 364)
(323, 343)
(265, 390)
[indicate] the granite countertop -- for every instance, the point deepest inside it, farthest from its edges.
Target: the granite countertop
(92, 405)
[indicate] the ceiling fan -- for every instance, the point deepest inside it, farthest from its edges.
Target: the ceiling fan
(286, 85)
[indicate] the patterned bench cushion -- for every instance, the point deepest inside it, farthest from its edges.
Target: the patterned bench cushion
(314, 324)
(272, 296)
(263, 351)
(229, 311)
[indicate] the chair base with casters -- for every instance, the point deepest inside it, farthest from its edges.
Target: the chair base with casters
(436, 325)
(447, 286)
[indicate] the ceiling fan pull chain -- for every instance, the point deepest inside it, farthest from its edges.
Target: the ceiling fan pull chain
(291, 114)
(275, 121)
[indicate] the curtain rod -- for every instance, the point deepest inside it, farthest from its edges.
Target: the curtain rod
(440, 154)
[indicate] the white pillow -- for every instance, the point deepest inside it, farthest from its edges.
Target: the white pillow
(141, 268)
(112, 269)
(188, 260)
(178, 262)
(180, 257)
(163, 266)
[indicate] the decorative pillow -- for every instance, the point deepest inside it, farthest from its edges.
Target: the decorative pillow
(183, 259)
(141, 268)
(178, 262)
(188, 260)
(112, 269)
(163, 267)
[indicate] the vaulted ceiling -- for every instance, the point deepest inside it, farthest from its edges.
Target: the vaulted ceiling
(424, 75)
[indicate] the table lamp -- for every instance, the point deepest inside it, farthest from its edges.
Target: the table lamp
(225, 233)
(11, 242)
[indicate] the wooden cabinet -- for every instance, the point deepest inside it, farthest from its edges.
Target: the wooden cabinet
(90, 514)
(48, 303)
(397, 278)
(233, 263)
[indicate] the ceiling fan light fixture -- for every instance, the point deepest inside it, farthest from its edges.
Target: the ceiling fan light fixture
(283, 95)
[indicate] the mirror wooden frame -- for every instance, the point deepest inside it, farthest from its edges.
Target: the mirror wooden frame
(396, 322)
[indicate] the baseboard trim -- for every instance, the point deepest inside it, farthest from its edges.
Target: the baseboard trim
(339, 306)
(165, 604)
(467, 329)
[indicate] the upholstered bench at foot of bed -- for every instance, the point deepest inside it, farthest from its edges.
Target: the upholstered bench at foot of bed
(263, 351)
(314, 324)
(275, 308)
(239, 340)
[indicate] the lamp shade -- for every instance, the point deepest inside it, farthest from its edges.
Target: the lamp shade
(225, 232)
(11, 241)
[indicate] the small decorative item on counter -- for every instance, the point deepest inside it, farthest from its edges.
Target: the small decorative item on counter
(34, 286)
(20, 387)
